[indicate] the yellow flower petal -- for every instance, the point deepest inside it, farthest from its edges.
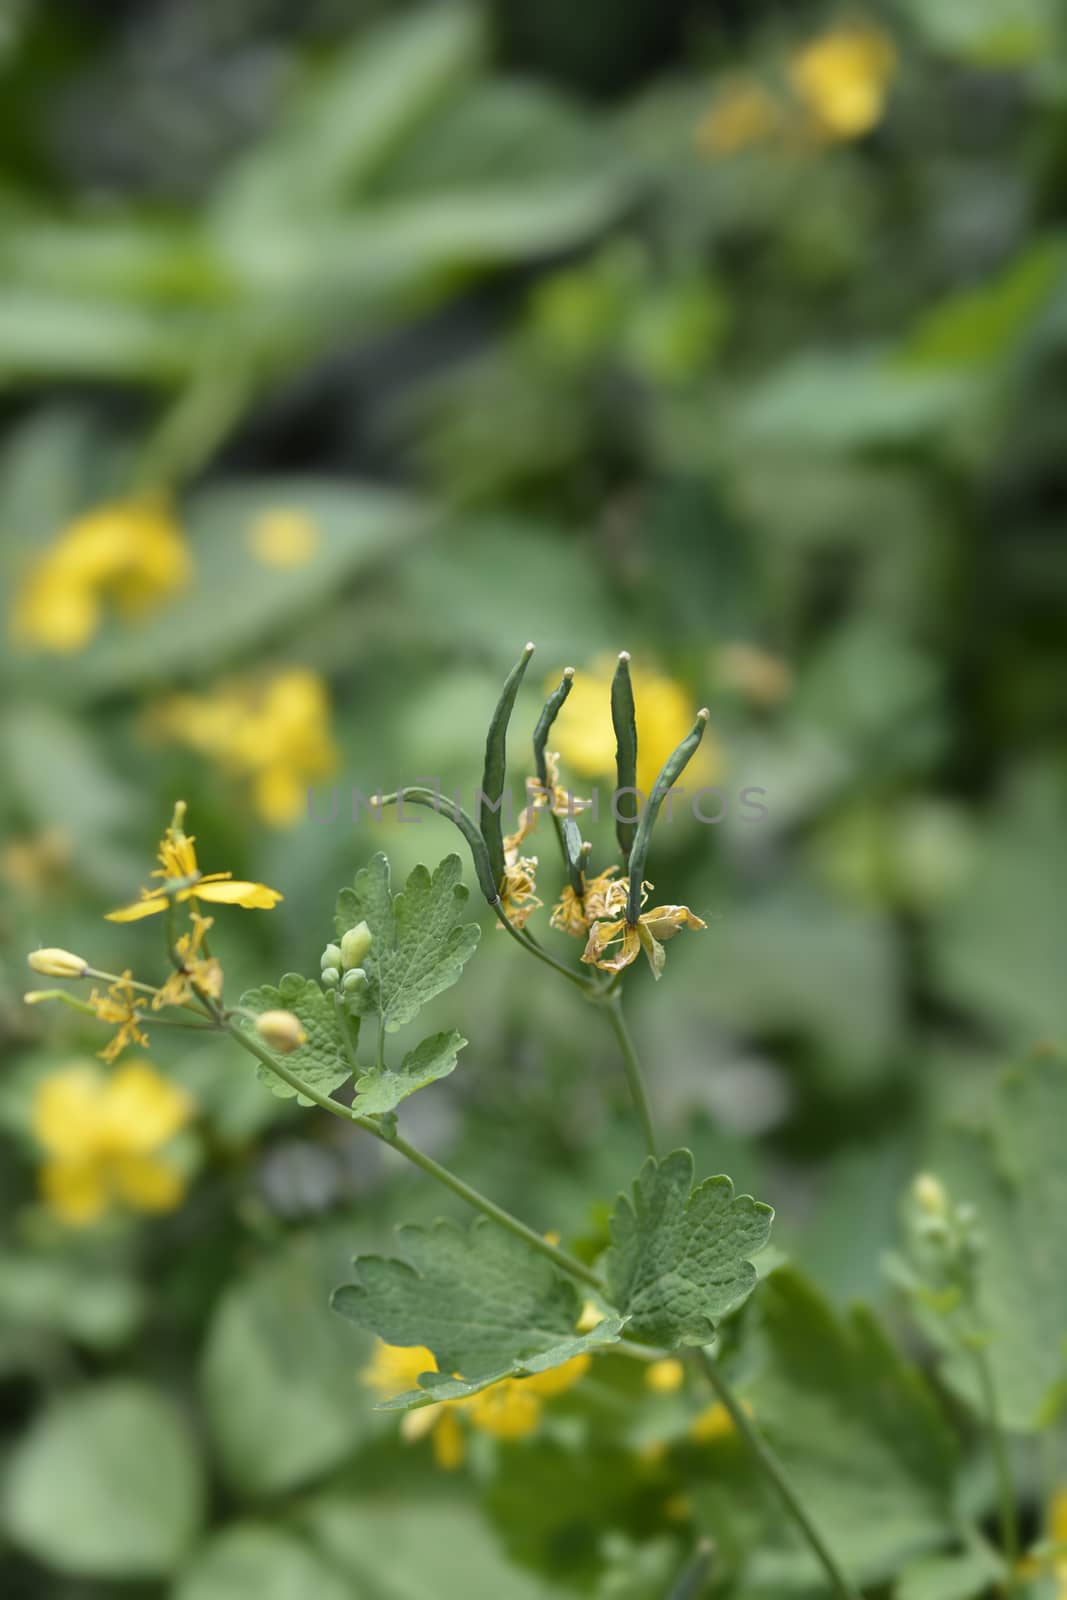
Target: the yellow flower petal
(64, 1115)
(150, 906)
(141, 1110)
(76, 1191)
(147, 1183)
(235, 892)
(448, 1441)
(665, 1377)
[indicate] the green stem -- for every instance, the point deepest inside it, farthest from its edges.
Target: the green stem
(775, 1472)
(425, 1163)
(1009, 1524)
(526, 943)
(634, 1078)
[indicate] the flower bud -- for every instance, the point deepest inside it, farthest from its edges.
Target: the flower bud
(57, 963)
(331, 977)
(331, 956)
(355, 980)
(929, 1195)
(281, 1030)
(354, 946)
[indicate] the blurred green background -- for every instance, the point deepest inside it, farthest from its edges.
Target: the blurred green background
(343, 348)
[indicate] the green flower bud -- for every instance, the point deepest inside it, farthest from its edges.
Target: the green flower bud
(281, 1030)
(355, 980)
(331, 956)
(929, 1195)
(354, 946)
(331, 977)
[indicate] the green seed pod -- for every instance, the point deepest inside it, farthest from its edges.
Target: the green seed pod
(673, 768)
(331, 956)
(549, 712)
(433, 800)
(495, 769)
(624, 721)
(354, 946)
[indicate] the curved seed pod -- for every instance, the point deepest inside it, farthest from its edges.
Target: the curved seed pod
(549, 712)
(434, 801)
(624, 721)
(496, 768)
(673, 768)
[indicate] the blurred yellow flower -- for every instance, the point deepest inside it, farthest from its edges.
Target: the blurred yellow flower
(283, 537)
(742, 114)
(761, 678)
(649, 933)
(842, 79)
(183, 880)
(130, 553)
(666, 1376)
(32, 863)
(510, 1409)
(715, 1422)
(664, 716)
(103, 1135)
(274, 735)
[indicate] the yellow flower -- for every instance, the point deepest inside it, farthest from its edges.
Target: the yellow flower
(102, 1136)
(715, 1422)
(197, 973)
(664, 717)
(284, 537)
(665, 1377)
(602, 897)
(510, 1409)
(183, 880)
(130, 553)
(552, 795)
(122, 1008)
(274, 735)
(843, 78)
(649, 933)
(744, 113)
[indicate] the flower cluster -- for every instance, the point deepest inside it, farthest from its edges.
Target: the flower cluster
(510, 1409)
(272, 734)
(104, 1139)
(130, 554)
(836, 90)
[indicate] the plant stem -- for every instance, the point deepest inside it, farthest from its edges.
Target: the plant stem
(526, 943)
(480, 1202)
(775, 1472)
(613, 1007)
(1009, 1525)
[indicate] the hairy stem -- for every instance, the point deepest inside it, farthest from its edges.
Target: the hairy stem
(776, 1474)
(634, 1076)
(434, 1169)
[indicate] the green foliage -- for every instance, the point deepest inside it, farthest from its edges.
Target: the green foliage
(323, 1061)
(858, 1429)
(277, 1377)
(1008, 1166)
(482, 1301)
(118, 1464)
(381, 1089)
(679, 1258)
(420, 946)
(252, 1561)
